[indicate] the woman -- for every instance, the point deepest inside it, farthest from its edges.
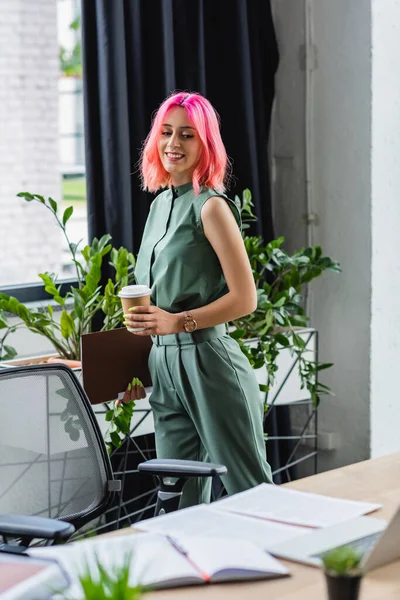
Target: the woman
(205, 398)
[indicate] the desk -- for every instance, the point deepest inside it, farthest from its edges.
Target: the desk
(375, 480)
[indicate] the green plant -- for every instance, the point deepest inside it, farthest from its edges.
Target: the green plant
(280, 279)
(71, 61)
(119, 417)
(342, 561)
(7, 352)
(74, 189)
(85, 300)
(108, 585)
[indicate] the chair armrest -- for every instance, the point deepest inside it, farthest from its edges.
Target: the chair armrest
(171, 467)
(35, 527)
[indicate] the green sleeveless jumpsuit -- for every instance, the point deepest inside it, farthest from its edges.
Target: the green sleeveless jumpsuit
(205, 398)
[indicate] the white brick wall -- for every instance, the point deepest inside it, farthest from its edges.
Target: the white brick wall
(30, 241)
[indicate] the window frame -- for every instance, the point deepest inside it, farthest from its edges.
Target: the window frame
(35, 292)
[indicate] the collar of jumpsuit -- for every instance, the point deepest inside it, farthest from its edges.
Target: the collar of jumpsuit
(181, 189)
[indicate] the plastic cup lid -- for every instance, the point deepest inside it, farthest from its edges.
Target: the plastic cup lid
(134, 291)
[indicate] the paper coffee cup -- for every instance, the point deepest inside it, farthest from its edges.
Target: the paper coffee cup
(134, 295)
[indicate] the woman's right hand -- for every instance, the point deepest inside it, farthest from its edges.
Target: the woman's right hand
(134, 391)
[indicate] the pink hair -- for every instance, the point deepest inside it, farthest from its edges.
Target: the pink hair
(213, 165)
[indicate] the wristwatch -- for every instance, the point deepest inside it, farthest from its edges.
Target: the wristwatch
(189, 324)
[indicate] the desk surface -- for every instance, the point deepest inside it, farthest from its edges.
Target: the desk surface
(375, 480)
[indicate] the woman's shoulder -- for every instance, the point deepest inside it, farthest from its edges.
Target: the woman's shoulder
(208, 193)
(212, 193)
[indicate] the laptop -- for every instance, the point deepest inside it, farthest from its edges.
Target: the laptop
(376, 540)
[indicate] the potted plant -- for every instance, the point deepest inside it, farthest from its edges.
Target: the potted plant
(85, 299)
(279, 318)
(343, 573)
(106, 584)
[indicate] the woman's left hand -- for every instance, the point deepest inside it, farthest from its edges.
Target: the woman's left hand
(154, 319)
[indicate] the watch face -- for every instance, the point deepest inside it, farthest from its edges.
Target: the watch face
(190, 326)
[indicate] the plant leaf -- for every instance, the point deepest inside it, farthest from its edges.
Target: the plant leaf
(26, 195)
(53, 205)
(67, 324)
(67, 214)
(282, 339)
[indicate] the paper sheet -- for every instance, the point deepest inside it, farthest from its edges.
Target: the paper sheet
(293, 507)
(207, 521)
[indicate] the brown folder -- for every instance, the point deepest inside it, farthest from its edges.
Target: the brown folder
(110, 359)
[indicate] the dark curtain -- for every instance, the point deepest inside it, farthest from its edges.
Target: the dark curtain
(135, 53)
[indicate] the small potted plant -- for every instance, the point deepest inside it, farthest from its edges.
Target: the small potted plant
(104, 584)
(343, 573)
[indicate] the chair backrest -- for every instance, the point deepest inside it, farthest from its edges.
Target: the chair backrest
(53, 460)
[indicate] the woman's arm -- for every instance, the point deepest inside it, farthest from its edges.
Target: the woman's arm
(223, 234)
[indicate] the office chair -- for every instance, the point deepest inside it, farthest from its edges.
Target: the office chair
(54, 462)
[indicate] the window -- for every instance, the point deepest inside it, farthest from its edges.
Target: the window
(72, 152)
(41, 138)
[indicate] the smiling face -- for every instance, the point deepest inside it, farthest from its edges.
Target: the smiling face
(179, 146)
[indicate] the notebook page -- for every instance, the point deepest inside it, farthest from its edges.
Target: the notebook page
(229, 558)
(294, 507)
(154, 561)
(23, 577)
(205, 520)
(13, 573)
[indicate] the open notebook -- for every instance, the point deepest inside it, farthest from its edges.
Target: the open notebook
(162, 562)
(25, 578)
